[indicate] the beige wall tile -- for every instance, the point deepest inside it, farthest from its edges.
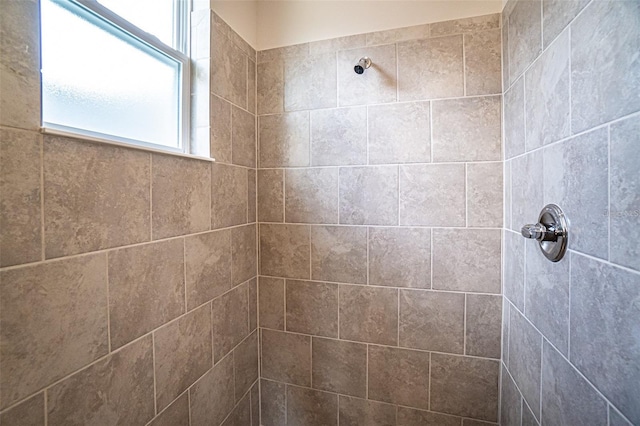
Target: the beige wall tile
(369, 314)
(255, 404)
(483, 62)
(176, 414)
(483, 325)
(398, 34)
(410, 417)
(286, 357)
(284, 139)
(28, 413)
(208, 266)
(211, 398)
(272, 403)
(432, 321)
(363, 412)
(311, 408)
(20, 215)
(179, 196)
(95, 196)
(182, 354)
(378, 83)
(146, 288)
(312, 308)
(271, 303)
(296, 50)
(467, 129)
(241, 414)
(229, 187)
(252, 196)
(311, 83)
(284, 251)
(399, 376)
(399, 133)
(400, 257)
(271, 87)
(369, 195)
(484, 194)
(339, 366)
(251, 86)
(244, 256)
(220, 117)
(228, 71)
(311, 195)
(271, 195)
(339, 253)
(230, 321)
(338, 43)
(54, 321)
(243, 137)
(339, 136)
(118, 388)
(432, 195)
(253, 302)
(466, 25)
(430, 68)
(245, 364)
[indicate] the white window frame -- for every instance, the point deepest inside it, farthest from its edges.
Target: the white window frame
(181, 35)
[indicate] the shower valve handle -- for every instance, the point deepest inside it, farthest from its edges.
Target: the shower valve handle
(539, 232)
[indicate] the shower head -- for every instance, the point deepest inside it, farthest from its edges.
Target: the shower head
(363, 64)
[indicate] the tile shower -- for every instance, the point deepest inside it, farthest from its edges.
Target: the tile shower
(352, 257)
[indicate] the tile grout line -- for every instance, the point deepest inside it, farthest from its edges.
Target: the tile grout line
(108, 304)
(46, 408)
(43, 245)
(155, 388)
(464, 326)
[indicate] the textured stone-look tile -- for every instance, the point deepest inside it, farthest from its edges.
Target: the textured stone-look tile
(566, 395)
(369, 195)
(271, 195)
(272, 403)
(432, 195)
(339, 366)
(466, 260)
(96, 196)
(507, 194)
(557, 14)
(506, 308)
(310, 84)
(284, 251)
(253, 303)
(284, 139)
(311, 195)
(339, 253)
(369, 314)
(67, 330)
(230, 321)
(362, 412)
(604, 314)
(117, 390)
(229, 75)
(245, 364)
(568, 167)
(605, 71)
(398, 34)
(220, 136)
(179, 196)
(271, 302)
(339, 136)
(270, 87)
(377, 85)
(547, 95)
(211, 398)
(483, 62)
(28, 413)
(146, 283)
(208, 266)
(176, 414)
(251, 86)
(20, 162)
(466, 25)
(311, 408)
(20, 65)
(432, 321)
(505, 49)
(525, 345)
(296, 50)
(526, 189)
(241, 414)
(510, 401)
(255, 404)
(399, 133)
(399, 376)
(312, 308)
(430, 68)
(339, 43)
(252, 196)
(182, 354)
(465, 386)
(483, 325)
(244, 254)
(243, 137)
(514, 136)
(484, 194)
(410, 417)
(286, 357)
(528, 419)
(471, 422)
(400, 257)
(467, 129)
(525, 35)
(229, 186)
(616, 419)
(625, 193)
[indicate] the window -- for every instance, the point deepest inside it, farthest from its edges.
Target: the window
(117, 69)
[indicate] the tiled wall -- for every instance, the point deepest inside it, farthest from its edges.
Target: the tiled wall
(572, 137)
(128, 288)
(380, 216)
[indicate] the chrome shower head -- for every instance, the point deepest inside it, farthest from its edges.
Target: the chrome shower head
(363, 64)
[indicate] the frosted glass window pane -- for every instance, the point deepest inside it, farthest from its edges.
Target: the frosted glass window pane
(152, 16)
(97, 78)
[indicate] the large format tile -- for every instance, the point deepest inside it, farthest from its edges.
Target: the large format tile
(96, 196)
(525, 35)
(616, 419)
(369, 195)
(176, 414)
(310, 84)
(526, 189)
(528, 419)
(378, 83)
(252, 86)
(338, 43)
(312, 308)
(297, 50)
(484, 194)
(467, 129)
(286, 357)
(220, 128)
(604, 313)
(432, 195)
(510, 401)
(483, 325)
(229, 75)
(339, 136)
(364, 412)
(311, 195)
(369, 314)
(514, 135)
(20, 208)
(244, 256)
(270, 87)
(66, 330)
(430, 68)
(272, 403)
(241, 414)
(229, 187)
(211, 398)
(245, 364)
(466, 25)
(307, 407)
(117, 389)
(605, 69)
(284, 140)
(398, 34)
(483, 62)
(146, 289)
(208, 266)
(410, 417)
(339, 254)
(467, 260)
(557, 14)
(230, 321)
(271, 195)
(284, 251)
(513, 283)
(271, 302)
(339, 366)
(28, 413)
(243, 137)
